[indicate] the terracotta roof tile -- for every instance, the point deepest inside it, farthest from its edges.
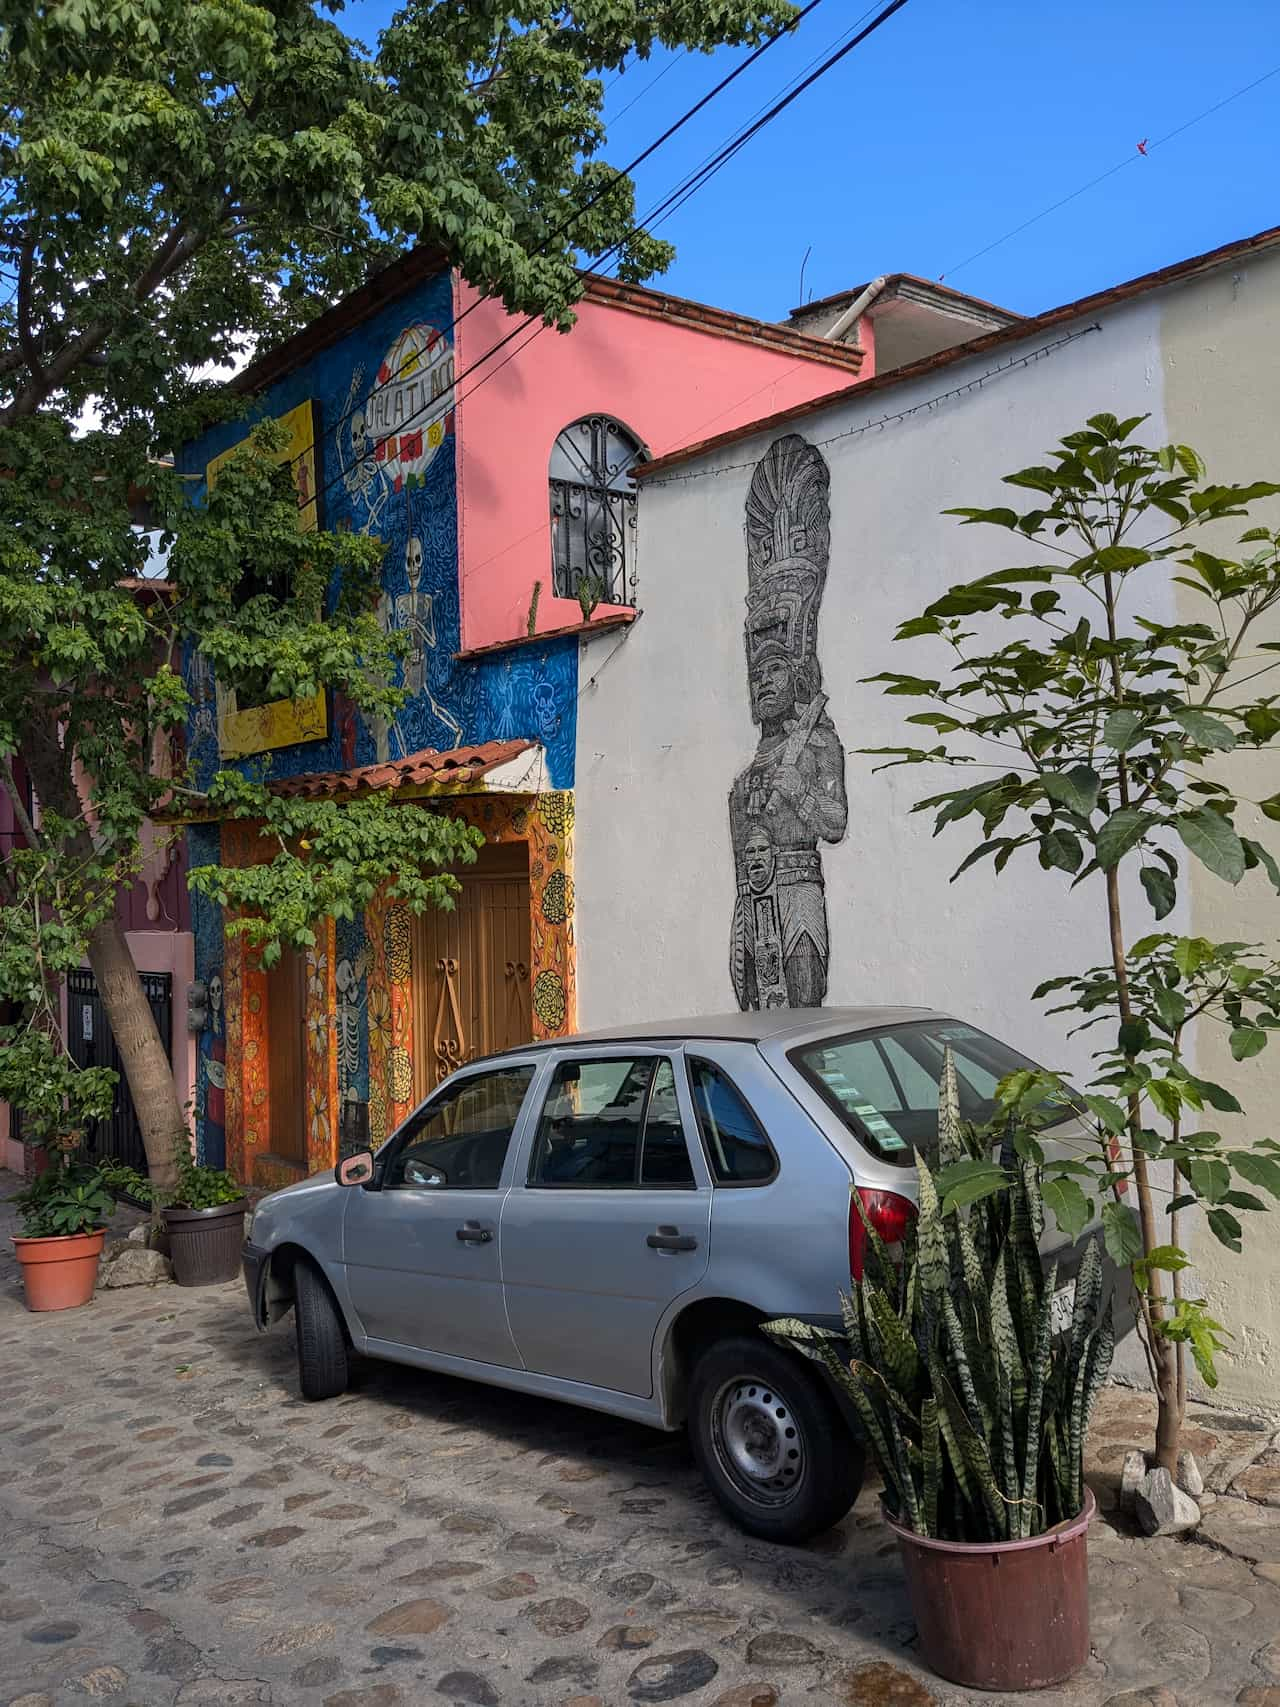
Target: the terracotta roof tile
(455, 765)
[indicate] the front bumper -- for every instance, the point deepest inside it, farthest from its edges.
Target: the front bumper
(254, 1261)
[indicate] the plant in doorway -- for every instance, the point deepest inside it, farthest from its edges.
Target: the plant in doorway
(975, 1405)
(202, 1215)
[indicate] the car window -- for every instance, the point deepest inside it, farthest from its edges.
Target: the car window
(611, 1123)
(664, 1154)
(739, 1152)
(884, 1084)
(459, 1140)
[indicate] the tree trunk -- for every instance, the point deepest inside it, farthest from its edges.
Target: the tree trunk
(147, 1069)
(1168, 1409)
(142, 1052)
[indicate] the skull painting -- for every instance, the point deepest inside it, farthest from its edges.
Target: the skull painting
(359, 436)
(413, 562)
(544, 710)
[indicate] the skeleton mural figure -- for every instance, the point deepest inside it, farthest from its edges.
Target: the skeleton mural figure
(414, 612)
(363, 477)
(348, 977)
(791, 796)
(213, 1057)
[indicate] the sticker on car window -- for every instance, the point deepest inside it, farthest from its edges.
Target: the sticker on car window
(956, 1033)
(852, 1100)
(876, 1124)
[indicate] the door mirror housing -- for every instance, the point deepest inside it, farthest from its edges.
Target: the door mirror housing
(355, 1170)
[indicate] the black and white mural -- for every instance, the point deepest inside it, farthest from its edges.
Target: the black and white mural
(791, 797)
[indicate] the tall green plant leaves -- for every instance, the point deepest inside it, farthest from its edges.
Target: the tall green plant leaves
(950, 1141)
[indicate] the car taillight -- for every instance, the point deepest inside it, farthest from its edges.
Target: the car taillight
(887, 1212)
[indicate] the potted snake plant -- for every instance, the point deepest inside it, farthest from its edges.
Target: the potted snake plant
(975, 1411)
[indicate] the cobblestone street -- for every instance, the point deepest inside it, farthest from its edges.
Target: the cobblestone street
(178, 1527)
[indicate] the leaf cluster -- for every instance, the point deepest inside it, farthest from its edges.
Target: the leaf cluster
(975, 1410)
(64, 1200)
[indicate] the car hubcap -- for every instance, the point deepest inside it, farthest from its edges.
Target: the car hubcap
(758, 1441)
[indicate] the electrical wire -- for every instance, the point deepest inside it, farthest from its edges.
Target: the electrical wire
(582, 208)
(1013, 363)
(652, 83)
(674, 200)
(1145, 150)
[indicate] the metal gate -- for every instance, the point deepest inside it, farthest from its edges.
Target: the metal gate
(92, 1045)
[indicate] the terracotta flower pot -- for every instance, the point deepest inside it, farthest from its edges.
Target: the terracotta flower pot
(60, 1273)
(205, 1245)
(1002, 1615)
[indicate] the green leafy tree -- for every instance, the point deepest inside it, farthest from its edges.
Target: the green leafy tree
(178, 184)
(1099, 728)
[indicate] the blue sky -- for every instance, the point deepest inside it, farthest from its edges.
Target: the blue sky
(954, 123)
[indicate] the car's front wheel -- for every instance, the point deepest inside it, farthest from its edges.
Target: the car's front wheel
(770, 1440)
(323, 1365)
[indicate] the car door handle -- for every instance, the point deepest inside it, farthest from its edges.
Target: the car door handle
(472, 1233)
(671, 1239)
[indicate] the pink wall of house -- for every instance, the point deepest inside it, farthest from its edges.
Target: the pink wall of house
(669, 378)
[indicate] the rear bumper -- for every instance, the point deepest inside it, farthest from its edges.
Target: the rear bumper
(254, 1260)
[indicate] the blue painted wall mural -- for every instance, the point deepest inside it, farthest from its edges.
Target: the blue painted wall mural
(385, 466)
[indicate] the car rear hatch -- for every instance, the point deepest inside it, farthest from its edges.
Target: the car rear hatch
(873, 1092)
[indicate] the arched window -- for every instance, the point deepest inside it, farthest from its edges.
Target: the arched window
(593, 511)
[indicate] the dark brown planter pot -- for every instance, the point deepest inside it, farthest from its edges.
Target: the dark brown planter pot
(205, 1244)
(1002, 1615)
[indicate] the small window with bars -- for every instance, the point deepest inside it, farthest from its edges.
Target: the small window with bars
(593, 512)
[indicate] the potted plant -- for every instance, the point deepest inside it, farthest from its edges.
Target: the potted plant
(203, 1217)
(975, 1412)
(63, 1210)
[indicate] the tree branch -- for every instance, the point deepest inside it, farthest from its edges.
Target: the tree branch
(177, 248)
(20, 813)
(26, 337)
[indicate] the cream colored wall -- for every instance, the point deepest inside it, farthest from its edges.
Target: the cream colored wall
(1220, 350)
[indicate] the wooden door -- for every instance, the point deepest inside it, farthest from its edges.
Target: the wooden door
(471, 992)
(286, 1056)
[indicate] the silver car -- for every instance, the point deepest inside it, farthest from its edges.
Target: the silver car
(607, 1219)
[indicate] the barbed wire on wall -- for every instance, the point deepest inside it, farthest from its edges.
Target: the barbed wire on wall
(927, 405)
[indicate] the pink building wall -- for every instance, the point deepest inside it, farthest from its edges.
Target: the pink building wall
(673, 372)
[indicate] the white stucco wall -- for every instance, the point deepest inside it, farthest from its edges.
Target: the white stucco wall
(667, 726)
(1220, 348)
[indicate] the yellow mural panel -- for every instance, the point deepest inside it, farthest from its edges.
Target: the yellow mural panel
(284, 722)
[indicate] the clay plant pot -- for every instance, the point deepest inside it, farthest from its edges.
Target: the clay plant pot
(1002, 1615)
(205, 1244)
(59, 1273)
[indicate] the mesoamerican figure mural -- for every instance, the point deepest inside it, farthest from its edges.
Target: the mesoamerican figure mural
(791, 797)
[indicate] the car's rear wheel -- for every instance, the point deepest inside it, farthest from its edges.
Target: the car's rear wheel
(770, 1440)
(323, 1364)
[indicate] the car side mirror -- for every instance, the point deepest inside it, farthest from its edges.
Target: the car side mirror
(355, 1170)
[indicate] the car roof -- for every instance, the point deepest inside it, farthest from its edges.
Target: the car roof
(740, 1027)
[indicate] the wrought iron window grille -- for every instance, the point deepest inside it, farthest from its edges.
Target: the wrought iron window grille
(593, 511)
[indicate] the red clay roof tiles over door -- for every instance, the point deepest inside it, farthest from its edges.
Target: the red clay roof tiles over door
(456, 764)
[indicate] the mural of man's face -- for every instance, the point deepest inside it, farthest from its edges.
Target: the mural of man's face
(758, 857)
(773, 689)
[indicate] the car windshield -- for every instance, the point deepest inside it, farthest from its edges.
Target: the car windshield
(884, 1084)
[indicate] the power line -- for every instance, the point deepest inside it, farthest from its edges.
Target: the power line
(1013, 363)
(652, 83)
(715, 163)
(1144, 149)
(677, 197)
(585, 207)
